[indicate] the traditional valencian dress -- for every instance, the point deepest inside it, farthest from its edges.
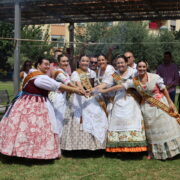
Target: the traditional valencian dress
(162, 129)
(86, 124)
(29, 128)
(126, 129)
(59, 99)
(105, 78)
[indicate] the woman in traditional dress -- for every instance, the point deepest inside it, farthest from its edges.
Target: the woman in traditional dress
(25, 69)
(126, 131)
(159, 113)
(59, 99)
(86, 123)
(103, 76)
(105, 70)
(29, 128)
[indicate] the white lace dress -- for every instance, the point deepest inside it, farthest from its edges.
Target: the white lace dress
(85, 122)
(126, 127)
(162, 130)
(59, 99)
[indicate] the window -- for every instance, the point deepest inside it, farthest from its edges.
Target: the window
(58, 38)
(172, 27)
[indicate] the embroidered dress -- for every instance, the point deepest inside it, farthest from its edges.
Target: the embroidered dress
(105, 78)
(85, 121)
(59, 99)
(126, 129)
(162, 130)
(29, 128)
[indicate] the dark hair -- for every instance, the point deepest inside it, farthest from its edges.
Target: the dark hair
(102, 55)
(60, 56)
(144, 61)
(168, 53)
(123, 57)
(83, 55)
(40, 61)
(93, 56)
(25, 64)
(57, 50)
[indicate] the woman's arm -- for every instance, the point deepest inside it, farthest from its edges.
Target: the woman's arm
(102, 86)
(76, 90)
(113, 88)
(71, 84)
(21, 74)
(172, 107)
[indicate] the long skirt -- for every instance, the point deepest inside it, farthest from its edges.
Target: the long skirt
(27, 130)
(74, 137)
(162, 132)
(126, 128)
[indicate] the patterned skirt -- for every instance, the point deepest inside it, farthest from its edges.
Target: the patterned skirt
(129, 141)
(74, 138)
(162, 132)
(27, 131)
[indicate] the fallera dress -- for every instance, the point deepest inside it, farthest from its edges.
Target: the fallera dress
(162, 130)
(29, 128)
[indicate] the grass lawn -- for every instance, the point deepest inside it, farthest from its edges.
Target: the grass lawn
(88, 166)
(8, 85)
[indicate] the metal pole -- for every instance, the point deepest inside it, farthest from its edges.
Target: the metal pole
(71, 39)
(17, 35)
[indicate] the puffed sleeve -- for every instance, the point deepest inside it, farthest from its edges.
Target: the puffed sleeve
(160, 83)
(92, 74)
(75, 77)
(47, 83)
(128, 84)
(107, 78)
(63, 78)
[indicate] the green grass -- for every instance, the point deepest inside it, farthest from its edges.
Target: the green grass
(89, 168)
(83, 166)
(7, 86)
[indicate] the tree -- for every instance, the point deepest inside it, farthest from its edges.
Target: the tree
(34, 45)
(33, 49)
(6, 46)
(128, 36)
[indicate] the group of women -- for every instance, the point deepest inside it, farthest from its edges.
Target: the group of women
(122, 110)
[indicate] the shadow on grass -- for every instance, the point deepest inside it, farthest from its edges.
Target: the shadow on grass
(83, 154)
(127, 156)
(101, 153)
(24, 161)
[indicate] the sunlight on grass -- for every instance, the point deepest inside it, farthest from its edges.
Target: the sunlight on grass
(83, 167)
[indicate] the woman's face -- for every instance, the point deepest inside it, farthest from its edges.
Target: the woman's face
(28, 66)
(44, 66)
(64, 62)
(121, 64)
(102, 62)
(142, 68)
(84, 63)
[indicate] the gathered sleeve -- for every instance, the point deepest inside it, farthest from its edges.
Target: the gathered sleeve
(47, 83)
(128, 84)
(107, 77)
(63, 78)
(75, 77)
(92, 74)
(160, 83)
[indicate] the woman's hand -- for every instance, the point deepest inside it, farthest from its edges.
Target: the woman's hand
(80, 91)
(172, 107)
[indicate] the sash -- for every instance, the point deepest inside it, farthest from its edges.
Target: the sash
(87, 84)
(153, 101)
(58, 72)
(132, 92)
(31, 75)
